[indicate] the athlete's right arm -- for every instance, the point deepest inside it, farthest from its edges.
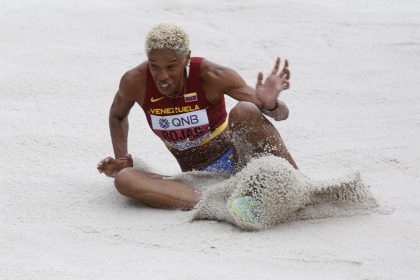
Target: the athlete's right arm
(118, 126)
(118, 121)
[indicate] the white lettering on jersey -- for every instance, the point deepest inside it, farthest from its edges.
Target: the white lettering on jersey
(180, 121)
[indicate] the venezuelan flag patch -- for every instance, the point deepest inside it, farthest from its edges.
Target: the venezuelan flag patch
(190, 97)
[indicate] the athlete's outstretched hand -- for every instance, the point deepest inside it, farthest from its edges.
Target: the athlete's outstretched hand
(267, 91)
(110, 166)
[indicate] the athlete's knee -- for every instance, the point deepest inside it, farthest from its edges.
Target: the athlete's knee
(123, 181)
(244, 111)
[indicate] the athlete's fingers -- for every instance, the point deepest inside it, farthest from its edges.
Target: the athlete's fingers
(286, 66)
(286, 72)
(99, 166)
(260, 78)
(284, 77)
(108, 172)
(109, 169)
(105, 163)
(276, 66)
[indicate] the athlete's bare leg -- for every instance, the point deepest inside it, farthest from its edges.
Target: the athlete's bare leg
(254, 134)
(155, 191)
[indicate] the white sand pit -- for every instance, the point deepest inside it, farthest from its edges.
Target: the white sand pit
(354, 105)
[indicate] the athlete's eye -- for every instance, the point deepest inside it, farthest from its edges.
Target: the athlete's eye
(171, 67)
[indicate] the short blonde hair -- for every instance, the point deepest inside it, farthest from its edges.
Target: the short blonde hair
(168, 36)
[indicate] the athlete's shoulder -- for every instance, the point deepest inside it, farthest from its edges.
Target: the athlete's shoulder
(214, 73)
(208, 66)
(210, 71)
(213, 78)
(133, 82)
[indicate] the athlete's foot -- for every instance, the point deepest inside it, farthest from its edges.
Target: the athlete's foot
(244, 209)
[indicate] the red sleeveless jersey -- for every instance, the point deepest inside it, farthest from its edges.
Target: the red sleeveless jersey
(186, 121)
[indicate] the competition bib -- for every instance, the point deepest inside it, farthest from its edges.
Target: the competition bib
(182, 131)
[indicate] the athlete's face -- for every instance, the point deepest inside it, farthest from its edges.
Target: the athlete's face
(167, 69)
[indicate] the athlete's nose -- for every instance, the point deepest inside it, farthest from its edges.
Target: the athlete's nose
(162, 75)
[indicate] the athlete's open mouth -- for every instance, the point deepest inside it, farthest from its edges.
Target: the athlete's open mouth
(164, 86)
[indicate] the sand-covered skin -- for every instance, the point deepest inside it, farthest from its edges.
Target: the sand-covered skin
(354, 107)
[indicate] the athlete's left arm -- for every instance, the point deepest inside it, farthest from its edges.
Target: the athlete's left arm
(222, 80)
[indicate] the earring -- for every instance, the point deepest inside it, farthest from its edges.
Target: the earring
(187, 69)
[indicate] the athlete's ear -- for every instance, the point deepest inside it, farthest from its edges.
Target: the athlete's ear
(188, 58)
